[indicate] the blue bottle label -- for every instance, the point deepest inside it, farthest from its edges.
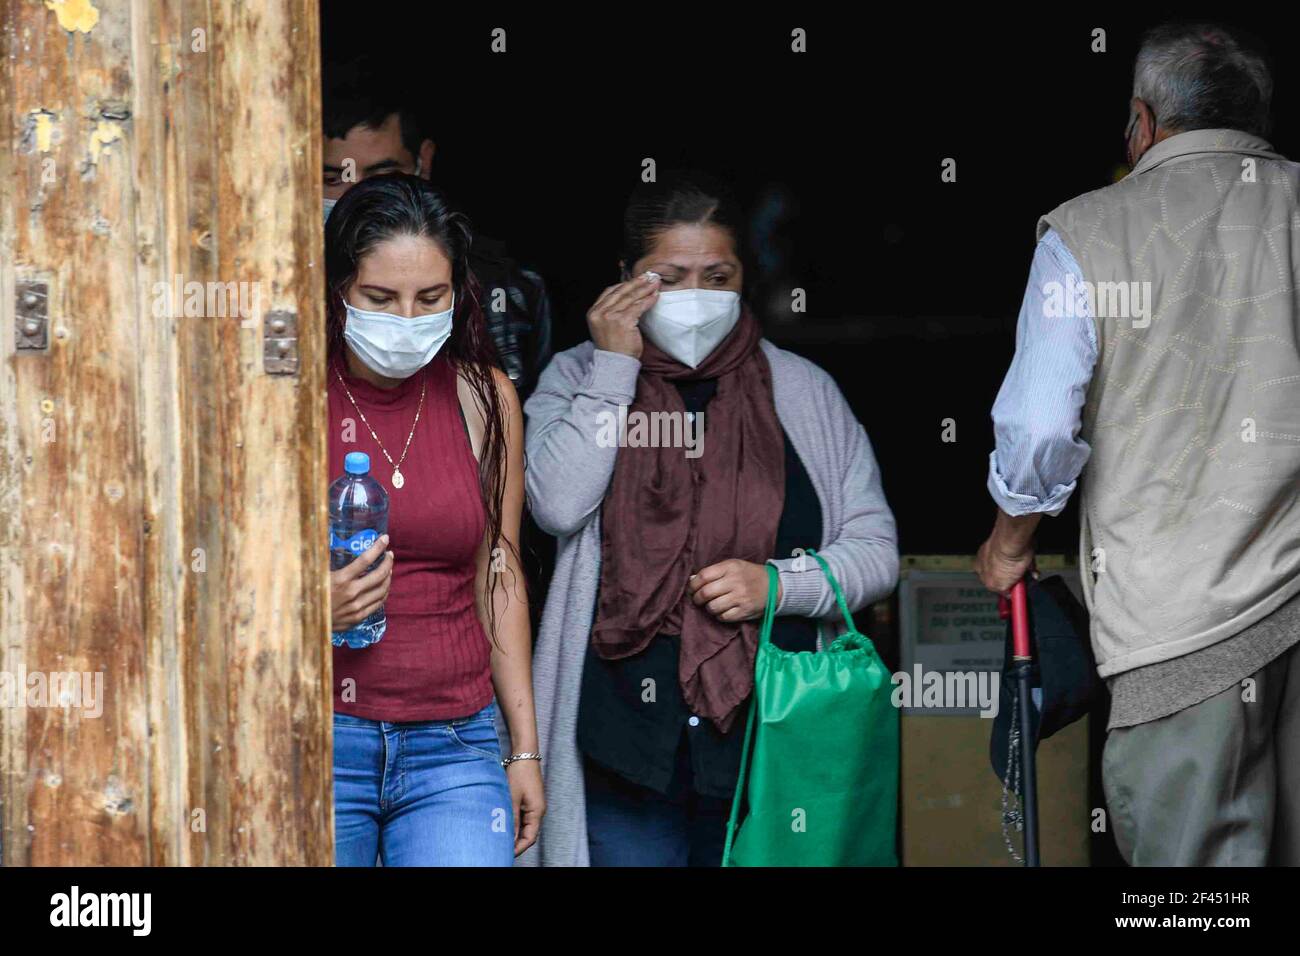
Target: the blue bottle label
(356, 544)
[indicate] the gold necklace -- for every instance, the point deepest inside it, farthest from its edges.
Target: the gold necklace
(398, 480)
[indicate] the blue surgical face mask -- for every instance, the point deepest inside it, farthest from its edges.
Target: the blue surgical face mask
(395, 347)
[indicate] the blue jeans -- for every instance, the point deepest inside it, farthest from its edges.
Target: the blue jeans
(424, 793)
(631, 825)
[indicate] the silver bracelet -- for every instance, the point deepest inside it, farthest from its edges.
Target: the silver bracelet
(513, 757)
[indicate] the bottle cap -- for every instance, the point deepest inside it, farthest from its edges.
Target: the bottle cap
(356, 463)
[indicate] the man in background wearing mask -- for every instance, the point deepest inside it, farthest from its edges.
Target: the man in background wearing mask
(369, 132)
(1157, 343)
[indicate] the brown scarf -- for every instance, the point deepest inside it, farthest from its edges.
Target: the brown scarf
(666, 516)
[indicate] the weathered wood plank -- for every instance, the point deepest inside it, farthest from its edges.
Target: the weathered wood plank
(73, 783)
(176, 528)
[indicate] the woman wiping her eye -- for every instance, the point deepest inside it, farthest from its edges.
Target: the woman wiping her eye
(645, 658)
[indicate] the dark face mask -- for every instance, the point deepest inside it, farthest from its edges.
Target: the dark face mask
(1129, 139)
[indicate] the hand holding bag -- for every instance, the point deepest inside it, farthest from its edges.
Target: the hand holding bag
(819, 769)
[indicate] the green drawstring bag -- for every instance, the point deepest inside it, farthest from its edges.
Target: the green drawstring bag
(819, 770)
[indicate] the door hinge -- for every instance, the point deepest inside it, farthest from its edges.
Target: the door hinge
(280, 343)
(32, 315)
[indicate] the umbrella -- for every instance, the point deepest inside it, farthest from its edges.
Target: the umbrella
(1048, 649)
(1022, 670)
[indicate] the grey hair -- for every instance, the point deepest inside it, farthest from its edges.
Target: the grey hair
(1201, 76)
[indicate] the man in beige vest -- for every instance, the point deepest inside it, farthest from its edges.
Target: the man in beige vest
(1158, 361)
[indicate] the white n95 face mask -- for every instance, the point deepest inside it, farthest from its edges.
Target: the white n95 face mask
(689, 324)
(395, 347)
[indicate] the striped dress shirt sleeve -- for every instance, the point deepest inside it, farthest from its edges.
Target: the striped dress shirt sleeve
(1038, 453)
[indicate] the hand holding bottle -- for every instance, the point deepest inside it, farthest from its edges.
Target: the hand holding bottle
(354, 594)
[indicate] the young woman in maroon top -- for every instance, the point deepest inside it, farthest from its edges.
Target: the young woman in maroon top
(413, 383)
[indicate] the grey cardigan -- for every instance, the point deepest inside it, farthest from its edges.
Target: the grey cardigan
(568, 472)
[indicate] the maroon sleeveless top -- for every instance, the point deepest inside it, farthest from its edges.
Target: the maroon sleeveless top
(433, 661)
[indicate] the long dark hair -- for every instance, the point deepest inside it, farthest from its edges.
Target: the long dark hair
(384, 207)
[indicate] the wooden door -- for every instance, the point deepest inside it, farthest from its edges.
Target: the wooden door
(162, 435)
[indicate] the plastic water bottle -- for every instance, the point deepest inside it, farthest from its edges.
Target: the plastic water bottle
(358, 515)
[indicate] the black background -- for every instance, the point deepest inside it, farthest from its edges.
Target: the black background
(913, 285)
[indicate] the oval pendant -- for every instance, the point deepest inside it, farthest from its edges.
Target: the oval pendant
(398, 480)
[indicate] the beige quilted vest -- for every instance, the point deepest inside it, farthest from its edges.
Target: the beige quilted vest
(1190, 517)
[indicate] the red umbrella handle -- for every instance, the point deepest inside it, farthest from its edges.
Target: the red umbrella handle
(1018, 610)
